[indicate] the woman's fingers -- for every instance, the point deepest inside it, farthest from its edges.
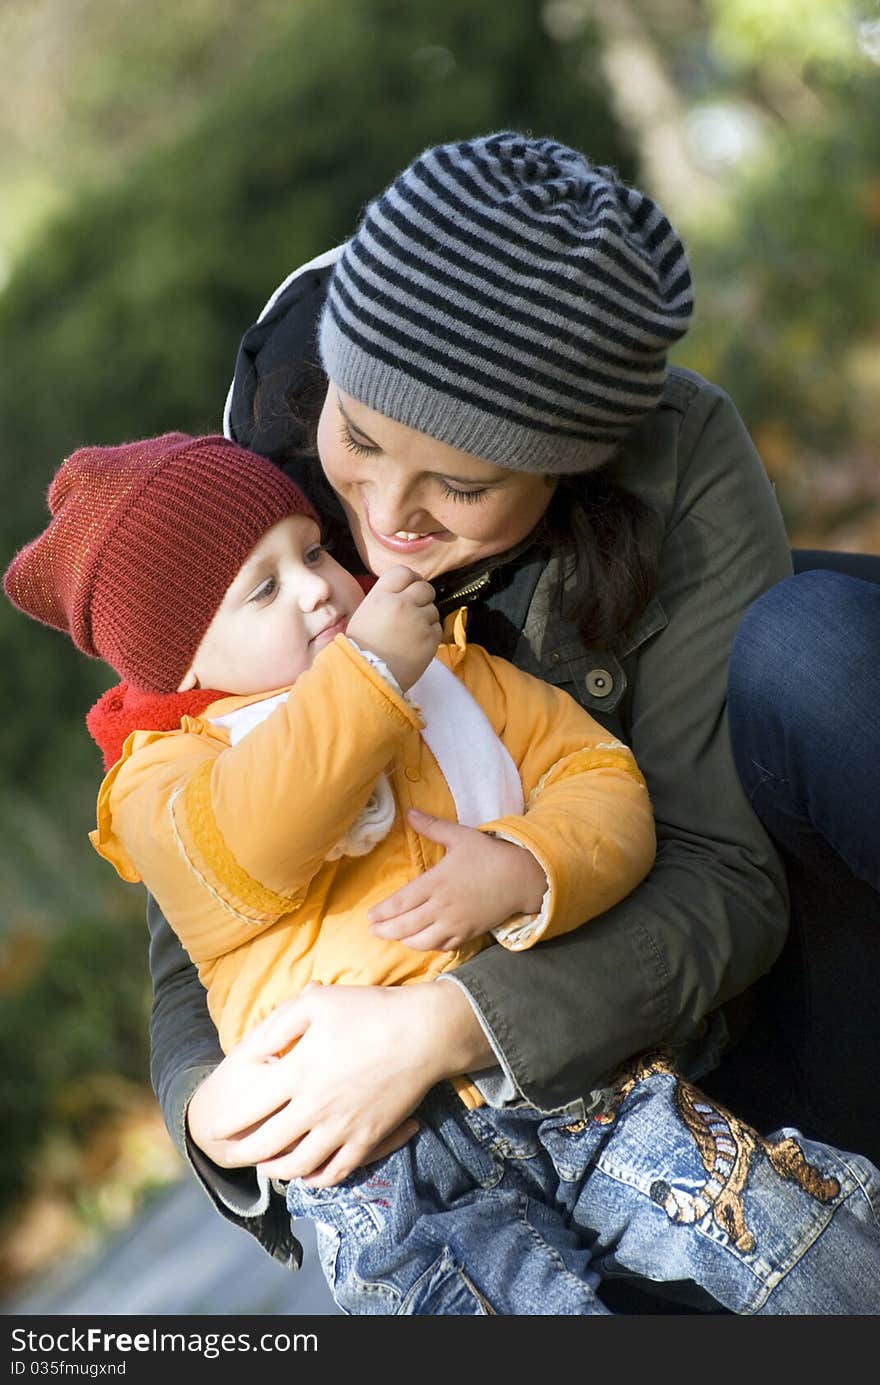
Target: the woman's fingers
(363, 1062)
(281, 1027)
(278, 1135)
(395, 1140)
(339, 1166)
(311, 1162)
(315, 1151)
(243, 1105)
(237, 1095)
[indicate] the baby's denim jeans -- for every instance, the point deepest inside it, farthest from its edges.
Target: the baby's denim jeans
(512, 1212)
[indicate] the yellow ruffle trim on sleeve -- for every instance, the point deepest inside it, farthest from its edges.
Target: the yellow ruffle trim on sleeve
(613, 755)
(202, 846)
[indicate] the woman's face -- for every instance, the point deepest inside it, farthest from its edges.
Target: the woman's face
(410, 499)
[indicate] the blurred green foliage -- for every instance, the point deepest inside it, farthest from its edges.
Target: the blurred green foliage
(788, 316)
(123, 320)
(73, 1018)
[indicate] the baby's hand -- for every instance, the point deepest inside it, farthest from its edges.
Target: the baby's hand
(398, 620)
(481, 882)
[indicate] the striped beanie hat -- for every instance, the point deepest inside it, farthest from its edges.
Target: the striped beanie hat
(507, 298)
(143, 542)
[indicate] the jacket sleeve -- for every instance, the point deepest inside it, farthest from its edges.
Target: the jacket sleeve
(184, 1050)
(228, 840)
(712, 915)
(588, 818)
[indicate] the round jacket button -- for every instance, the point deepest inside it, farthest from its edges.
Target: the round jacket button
(412, 774)
(599, 682)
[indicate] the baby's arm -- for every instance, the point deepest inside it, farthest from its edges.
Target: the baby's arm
(586, 839)
(229, 839)
(588, 817)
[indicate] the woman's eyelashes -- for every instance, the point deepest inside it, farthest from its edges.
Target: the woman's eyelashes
(361, 449)
(468, 497)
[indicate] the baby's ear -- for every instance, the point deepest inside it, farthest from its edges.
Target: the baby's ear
(188, 681)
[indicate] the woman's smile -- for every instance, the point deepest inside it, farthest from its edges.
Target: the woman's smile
(405, 542)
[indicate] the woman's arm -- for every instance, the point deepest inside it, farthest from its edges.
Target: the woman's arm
(712, 915)
(371, 1054)
(185, 1050)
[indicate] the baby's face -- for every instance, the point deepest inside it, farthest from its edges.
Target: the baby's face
(288, 601)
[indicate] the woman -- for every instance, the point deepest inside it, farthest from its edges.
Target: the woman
(500, 417)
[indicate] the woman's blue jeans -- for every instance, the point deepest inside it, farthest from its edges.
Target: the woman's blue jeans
(805, 717)
(804, 707)
(516, 1213)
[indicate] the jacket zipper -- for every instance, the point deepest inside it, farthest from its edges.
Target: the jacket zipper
(470, 590)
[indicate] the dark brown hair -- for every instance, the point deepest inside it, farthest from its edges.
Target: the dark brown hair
(610, 542)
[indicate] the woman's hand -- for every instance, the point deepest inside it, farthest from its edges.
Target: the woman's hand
(362, 1058)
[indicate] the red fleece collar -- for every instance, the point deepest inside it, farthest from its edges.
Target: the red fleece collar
(123, 709)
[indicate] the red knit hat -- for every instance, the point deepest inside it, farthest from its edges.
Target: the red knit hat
(144, 541)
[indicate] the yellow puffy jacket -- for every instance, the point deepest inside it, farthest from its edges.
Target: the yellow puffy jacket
(233, 841)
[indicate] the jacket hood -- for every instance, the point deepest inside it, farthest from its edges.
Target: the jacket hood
(277, 364)
(286, 331)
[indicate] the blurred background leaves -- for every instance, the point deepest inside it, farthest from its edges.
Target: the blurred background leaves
(163, 167)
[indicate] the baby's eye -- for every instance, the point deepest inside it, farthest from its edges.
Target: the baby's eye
(314, 554)
(266, 589)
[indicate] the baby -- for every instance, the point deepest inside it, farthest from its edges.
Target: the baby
(282, 747)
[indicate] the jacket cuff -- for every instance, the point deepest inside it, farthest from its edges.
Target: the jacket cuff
(241, 1196)
(497, 1086)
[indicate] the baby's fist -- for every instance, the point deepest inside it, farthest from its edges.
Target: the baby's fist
(398, 620)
